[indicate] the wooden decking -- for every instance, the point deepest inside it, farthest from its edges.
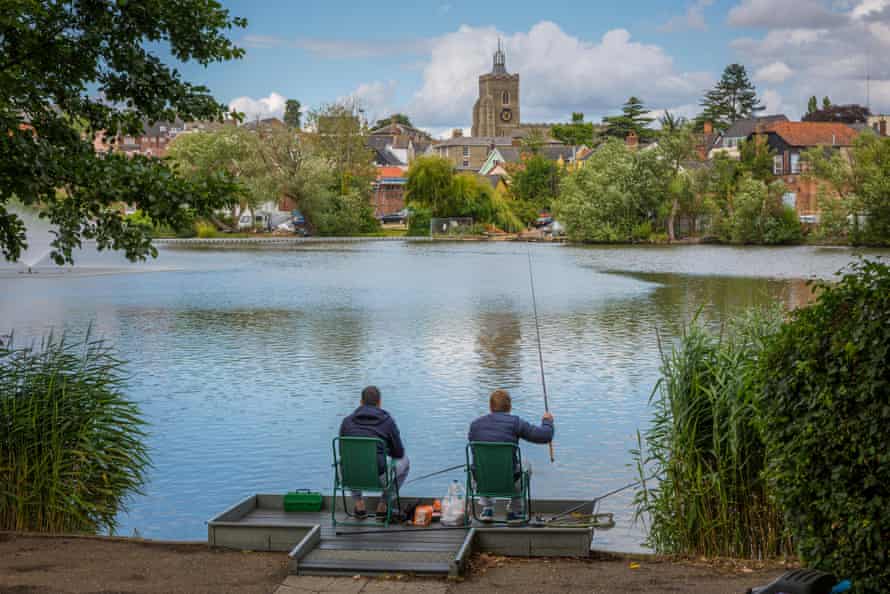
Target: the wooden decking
(316, 547)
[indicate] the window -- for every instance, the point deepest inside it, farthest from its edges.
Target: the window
(778, 165)
(466, 155)
(790, 199)
(795, 163)
(505, 98)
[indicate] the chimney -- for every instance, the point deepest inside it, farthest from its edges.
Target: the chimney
(632, 141)
(709, 128)
(457, 133)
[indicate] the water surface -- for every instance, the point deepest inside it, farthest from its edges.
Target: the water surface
(244, 361)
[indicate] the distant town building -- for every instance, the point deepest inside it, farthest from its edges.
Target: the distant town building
(398, 144)
(789, 140)
(729, 140)
(880, 124)
(152, 142)
(388, 194)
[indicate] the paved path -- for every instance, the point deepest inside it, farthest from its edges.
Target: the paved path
(338, 585)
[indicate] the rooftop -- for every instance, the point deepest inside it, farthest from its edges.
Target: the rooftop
(813, 133)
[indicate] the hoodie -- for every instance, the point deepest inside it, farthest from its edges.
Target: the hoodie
(504, 427)
(373, 421)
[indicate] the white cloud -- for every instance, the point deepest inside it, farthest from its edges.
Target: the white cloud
(774, 73)
(769, 14)
(377, 99)
(264, 107)
(693, 20)
(560, 73)
(868, 7)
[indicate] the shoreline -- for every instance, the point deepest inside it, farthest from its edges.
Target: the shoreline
(36, 563)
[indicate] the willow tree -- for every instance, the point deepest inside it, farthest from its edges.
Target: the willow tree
(73, 69)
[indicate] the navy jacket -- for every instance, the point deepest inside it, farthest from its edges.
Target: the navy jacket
(509, 428)
(372, 421)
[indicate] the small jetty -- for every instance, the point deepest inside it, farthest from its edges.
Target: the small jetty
(316, 547)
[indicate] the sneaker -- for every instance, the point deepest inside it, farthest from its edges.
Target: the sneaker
(514, 518)
(487, 515)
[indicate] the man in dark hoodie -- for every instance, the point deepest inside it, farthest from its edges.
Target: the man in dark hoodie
(369, 420)
(501, 426)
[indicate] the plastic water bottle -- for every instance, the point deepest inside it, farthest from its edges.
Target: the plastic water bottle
(453, 512)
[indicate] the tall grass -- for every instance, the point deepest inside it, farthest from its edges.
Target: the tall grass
(71, 444)
(710, 497)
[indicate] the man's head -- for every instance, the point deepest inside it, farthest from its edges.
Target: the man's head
(500, 401)
(371, 396)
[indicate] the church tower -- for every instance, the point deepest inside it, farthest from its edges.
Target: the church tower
(496, 112)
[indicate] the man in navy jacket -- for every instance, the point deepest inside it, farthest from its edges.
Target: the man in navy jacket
(501, 426)
(369, 420)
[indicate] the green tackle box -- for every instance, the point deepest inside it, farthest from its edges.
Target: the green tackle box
(302, 500)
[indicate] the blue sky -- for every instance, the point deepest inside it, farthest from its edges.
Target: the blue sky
(423, 57)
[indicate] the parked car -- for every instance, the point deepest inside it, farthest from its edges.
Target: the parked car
(260, 221)
(398, 218)
(543, 220)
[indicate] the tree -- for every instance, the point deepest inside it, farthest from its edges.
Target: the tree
(826, 102)
(671, 123)
(614, 197)
(812, 104)
(533, 142)
(756, 159)
(50, 52)
(632, 119)
(862, 180)
(429, 183)
(845, 114)
(674, 147)
(340, 140)
(292, 114)
(576, 133)
(535, 184)
(397, 118)
(733, 98)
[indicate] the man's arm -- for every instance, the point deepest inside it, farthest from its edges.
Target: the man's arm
(542, 434)
(396, 449)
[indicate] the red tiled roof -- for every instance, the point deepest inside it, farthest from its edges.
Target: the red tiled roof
(390, 172)
(813, 133)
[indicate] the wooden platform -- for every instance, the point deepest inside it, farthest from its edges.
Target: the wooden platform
(315, 547)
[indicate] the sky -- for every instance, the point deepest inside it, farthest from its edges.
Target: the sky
(424, 57)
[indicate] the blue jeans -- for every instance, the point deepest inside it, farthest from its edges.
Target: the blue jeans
(403, 465)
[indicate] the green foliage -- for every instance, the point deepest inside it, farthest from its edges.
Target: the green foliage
(615, 192)
(756, 159)
(398, 118)
(705, 448)
(71, 444)
(139, 219)
(536, 181)
(733, 98)
(632, 119)
(429, 184)
(344, 215)
(419, 221)
(834, 224)
(825, 412)
(205, 230)
(862, 181)
(292, 114)
(576, 133)
(50, 52)
(759, 217)
(812, 104)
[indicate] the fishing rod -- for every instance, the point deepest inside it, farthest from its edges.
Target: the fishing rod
(438, 472)
(596, 500)
(531, 280)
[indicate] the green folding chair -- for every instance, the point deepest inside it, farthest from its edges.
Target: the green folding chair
(491, 472)
(355, 469)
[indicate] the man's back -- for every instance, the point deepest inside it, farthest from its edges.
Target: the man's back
(504, 427)
(371, 421)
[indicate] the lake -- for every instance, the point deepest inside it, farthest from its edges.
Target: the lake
(244, 361)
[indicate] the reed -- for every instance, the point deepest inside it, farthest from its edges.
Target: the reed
(710, 497)
(71, 444)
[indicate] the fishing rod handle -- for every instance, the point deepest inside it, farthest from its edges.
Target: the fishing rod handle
(552, 457)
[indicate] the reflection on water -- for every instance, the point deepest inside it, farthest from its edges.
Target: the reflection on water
(245, 361)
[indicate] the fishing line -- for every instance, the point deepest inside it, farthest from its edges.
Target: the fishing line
(438, 472)
(531, 280)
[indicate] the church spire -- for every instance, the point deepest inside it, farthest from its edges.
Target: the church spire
(500, 61)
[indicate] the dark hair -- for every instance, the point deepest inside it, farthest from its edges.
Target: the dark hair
(499, 401)
(371, 396)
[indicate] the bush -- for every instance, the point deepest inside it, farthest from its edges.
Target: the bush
(705, 448)
(825, 410)
(205, 230)
(419, 221)
(783, 228)
(71, 444)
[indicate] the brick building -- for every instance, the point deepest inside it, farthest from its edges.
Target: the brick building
(388, 195)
